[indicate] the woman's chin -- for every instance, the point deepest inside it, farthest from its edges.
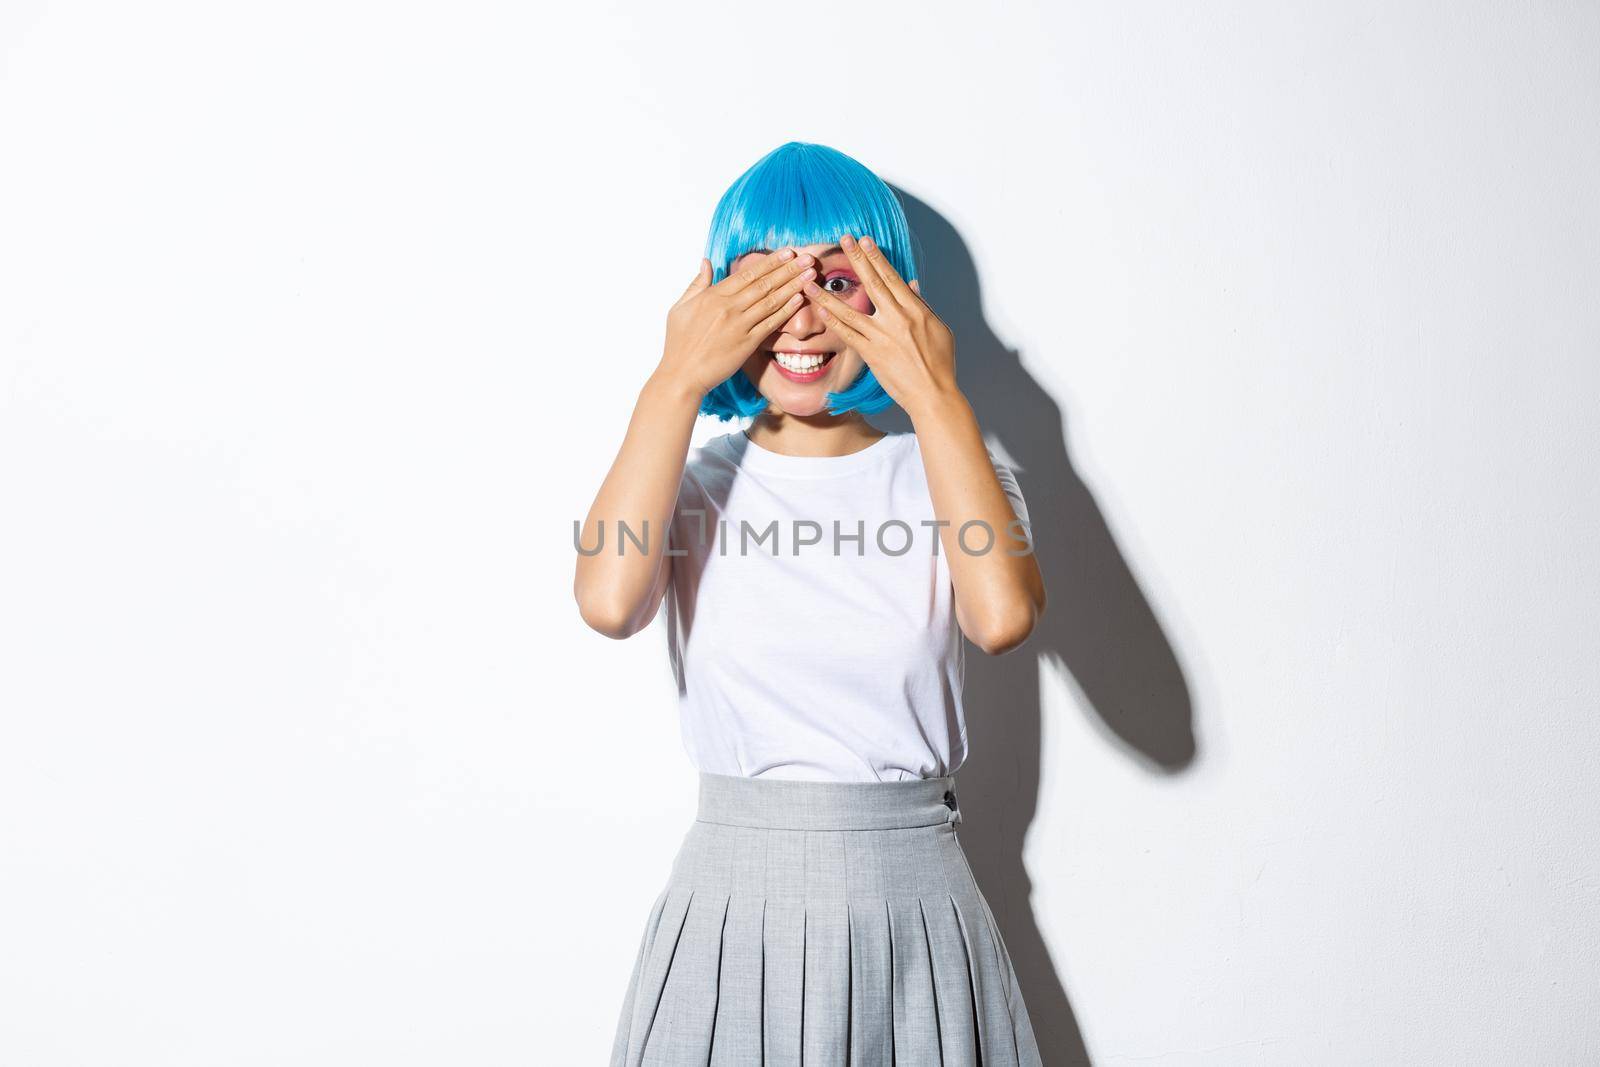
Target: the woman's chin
(793, 399)
(801, 407)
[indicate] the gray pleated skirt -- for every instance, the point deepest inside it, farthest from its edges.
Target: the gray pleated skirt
(822, 923)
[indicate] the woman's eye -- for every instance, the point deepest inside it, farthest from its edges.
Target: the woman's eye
(843, 286)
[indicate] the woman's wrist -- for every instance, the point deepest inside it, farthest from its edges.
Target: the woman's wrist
(672, 388)
(938, 404)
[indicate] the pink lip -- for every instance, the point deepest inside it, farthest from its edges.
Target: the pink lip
(808, 376)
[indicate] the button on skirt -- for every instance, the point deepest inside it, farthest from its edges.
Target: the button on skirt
(822, 923)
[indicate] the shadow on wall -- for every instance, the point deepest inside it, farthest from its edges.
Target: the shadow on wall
(1097, 625)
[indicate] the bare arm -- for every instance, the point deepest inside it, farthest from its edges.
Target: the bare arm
(999, 595)
(618, 594)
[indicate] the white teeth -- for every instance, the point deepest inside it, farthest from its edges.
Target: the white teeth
(799, 364)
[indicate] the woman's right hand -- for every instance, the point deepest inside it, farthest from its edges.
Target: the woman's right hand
(713, 329)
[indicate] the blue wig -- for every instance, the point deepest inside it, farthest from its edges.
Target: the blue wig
(804, 194)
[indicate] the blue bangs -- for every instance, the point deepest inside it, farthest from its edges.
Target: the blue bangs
(804, 194)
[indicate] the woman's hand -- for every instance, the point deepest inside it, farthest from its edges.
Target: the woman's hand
(910, 351)
(713, 329)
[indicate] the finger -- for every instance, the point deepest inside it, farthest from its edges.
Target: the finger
(779, 297)
(907, 296)
(771, 323)
(867, 271)
(754, 269)
(843, 319)
(702, 279)
(799, 269)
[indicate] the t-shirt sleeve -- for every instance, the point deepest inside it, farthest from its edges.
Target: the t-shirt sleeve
(1008, 482)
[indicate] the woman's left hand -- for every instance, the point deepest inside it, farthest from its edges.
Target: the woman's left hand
(909, 350)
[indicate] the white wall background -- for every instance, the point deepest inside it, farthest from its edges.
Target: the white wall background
(321, 321)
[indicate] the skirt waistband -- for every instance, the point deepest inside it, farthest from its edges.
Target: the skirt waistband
(786, 804)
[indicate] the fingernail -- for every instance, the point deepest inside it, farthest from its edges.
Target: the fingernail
(787, 253)
(805, 257)
(847, 241)
(866, 242)
(809, 272)
(811, 287)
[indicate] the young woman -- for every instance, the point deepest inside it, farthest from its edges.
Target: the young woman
(819, 576)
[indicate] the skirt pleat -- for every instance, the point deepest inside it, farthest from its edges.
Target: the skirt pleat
(988, 993)
(651, 980)
(784, 942)
(825, 1012)
(686, 1017)
(952, 975)
(738, 1031)
(871, 985)
(620, 1051)
(916, 1002)
(821, 945)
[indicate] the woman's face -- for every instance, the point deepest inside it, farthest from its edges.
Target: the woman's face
(815, 361)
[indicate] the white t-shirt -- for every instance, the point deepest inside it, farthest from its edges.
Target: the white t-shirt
(794, 660)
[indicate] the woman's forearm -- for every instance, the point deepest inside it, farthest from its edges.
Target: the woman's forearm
(999, 596)
(619, 588)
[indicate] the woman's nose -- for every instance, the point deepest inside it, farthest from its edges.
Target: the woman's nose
(805, 322)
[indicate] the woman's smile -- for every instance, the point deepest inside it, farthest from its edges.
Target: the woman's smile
(802, 365)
